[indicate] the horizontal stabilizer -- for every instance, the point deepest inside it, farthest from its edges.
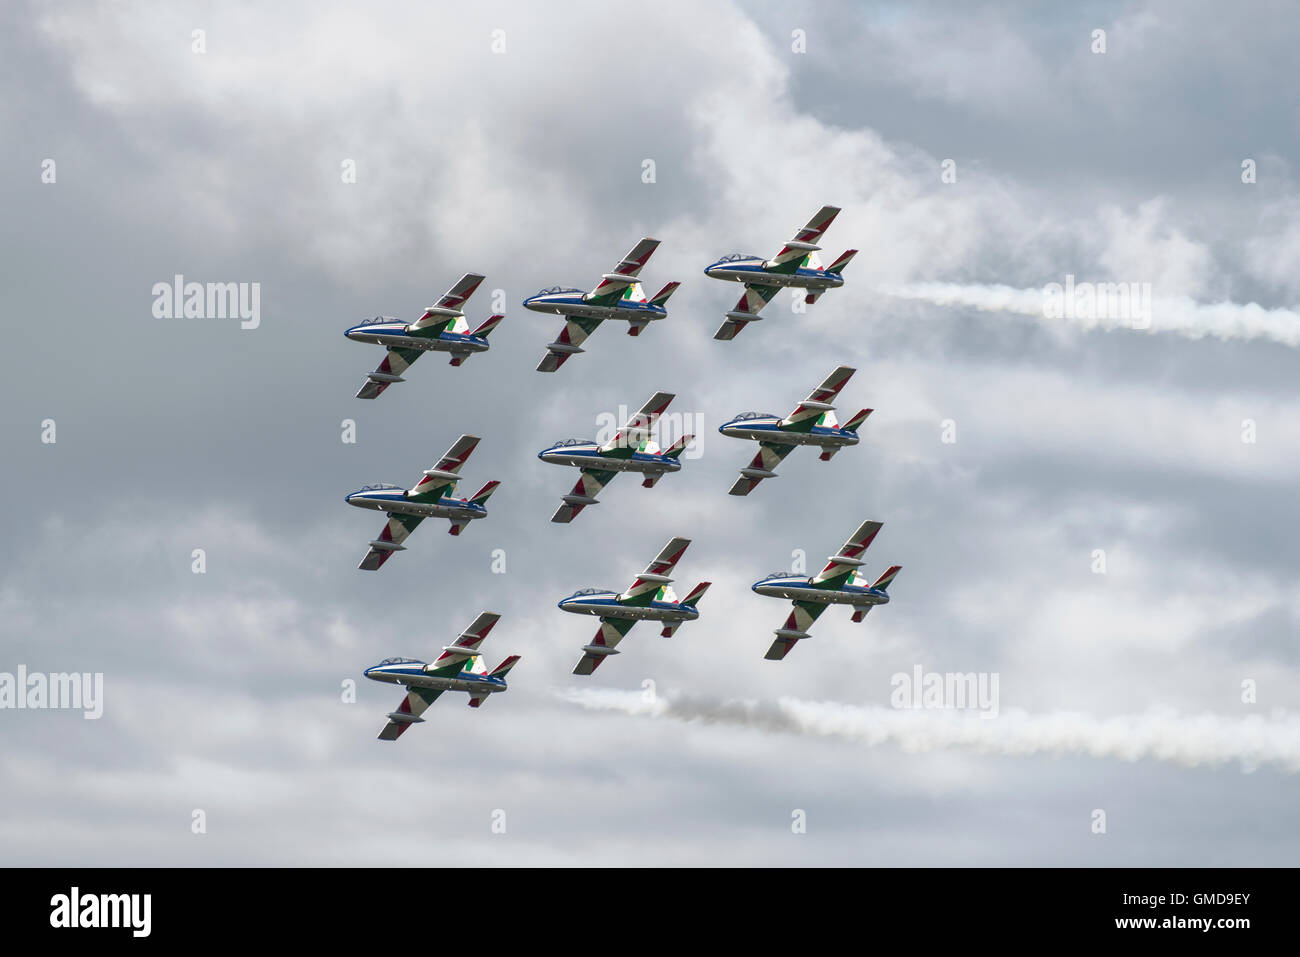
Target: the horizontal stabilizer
(661, 297)
(852, 424)
(490, 323)
(483, 494)
(501, 670)
(845, 257)
(885, 580)
(696, 594)
(677, 448)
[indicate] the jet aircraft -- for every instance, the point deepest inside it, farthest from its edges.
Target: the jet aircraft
(430, 498)
(811, 423)
(796, 265)
(650, 598)
(839, 583)
(618, 296)
(442, 328)
(632, 449)
(458, 668)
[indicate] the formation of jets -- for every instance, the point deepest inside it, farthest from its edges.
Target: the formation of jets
(633, 448)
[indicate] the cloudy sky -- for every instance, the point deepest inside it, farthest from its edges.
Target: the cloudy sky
(512, 141)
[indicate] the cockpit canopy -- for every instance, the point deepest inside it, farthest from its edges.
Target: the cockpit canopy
(401, 661)
(555, 290)
(756, 415)
(378, 319)
(565, 443)
(581, 592)
(381, 487)
(781, 574)
(736, 257)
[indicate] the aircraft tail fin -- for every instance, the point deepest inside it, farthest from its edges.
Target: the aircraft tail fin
(696, 594)
(677, 448)
(884, 581)
(852, 424)
(501, 670)
(846, 257)
(661, 297)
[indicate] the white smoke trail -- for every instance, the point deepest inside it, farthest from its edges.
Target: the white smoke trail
(1188, 740)
(1176, 314)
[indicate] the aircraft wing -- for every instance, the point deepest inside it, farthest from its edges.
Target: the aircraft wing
(589, 484)
(625, 274)
(395, 363)
(844, 562)
(819, 402)
(444, 476)
(447, 310)
(389, 540)
(799, 621)
(754, 298)
(638, 428)
(415, 703)
(769, 456)
(656, 574)
(575, 332)
(610, 634)
(464, 649)
(792, 254)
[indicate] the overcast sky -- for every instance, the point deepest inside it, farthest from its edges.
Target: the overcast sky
(520, 154)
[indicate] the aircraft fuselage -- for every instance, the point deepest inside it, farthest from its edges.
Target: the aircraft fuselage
(801, 589)
(753, 272)
(605, 605)
(395, 333)
(587, 456)
(412, 675)
(396, 501)
(766, 429)
(577, 305)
